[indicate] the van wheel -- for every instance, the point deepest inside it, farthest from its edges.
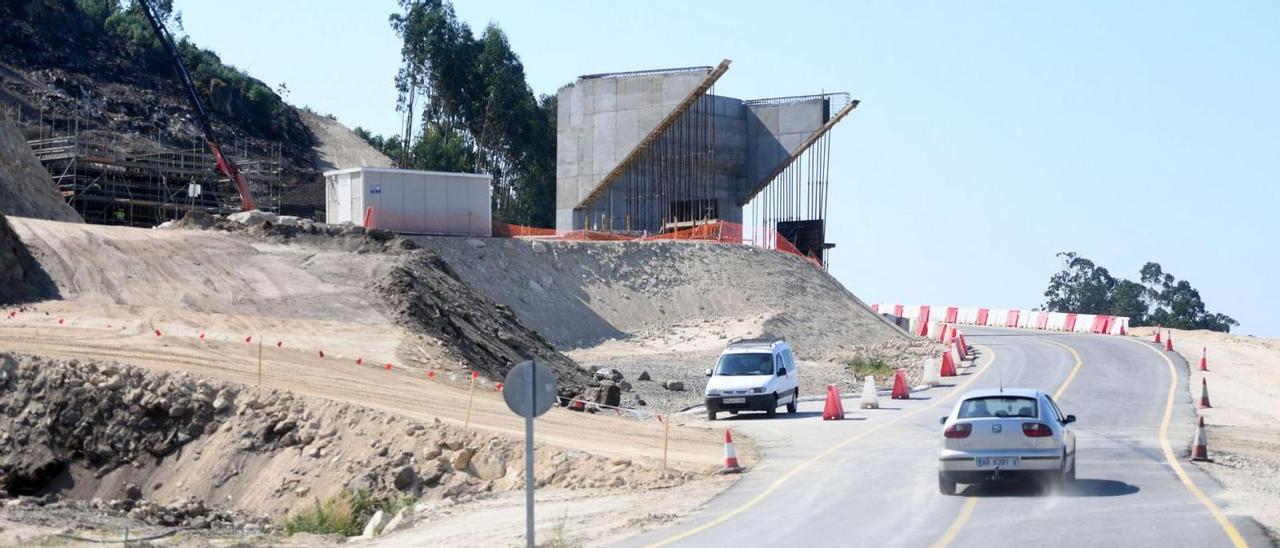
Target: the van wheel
(795, 402)
(773, 406)
(711, 415)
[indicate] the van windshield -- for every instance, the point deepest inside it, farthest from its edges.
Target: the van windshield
(745, 364)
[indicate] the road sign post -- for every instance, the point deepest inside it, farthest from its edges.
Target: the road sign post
(529, 390)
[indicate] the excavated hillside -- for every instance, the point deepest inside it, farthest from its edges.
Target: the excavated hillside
(578, 294)
(415, 308)
(63, 71)
(25, 187)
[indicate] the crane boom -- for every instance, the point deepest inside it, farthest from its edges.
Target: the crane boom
(225, 165)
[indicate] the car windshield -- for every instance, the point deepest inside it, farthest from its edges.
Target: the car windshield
(745, 364)
(998, 406)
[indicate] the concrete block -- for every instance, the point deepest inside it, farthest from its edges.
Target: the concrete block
(604, 98)
(804, 117)
(629, 132)
(675, 87)
(639, 91)
(604, 153)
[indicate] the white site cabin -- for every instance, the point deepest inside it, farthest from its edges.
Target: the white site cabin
(410, 202)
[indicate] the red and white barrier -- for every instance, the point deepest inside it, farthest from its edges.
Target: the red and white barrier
(924, 319)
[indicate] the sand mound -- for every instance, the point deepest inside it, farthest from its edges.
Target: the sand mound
(26, 190)
(577, 294)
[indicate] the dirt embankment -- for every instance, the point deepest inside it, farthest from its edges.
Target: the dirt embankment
(266, 275)
(26, 190)
(21, 278)
(176, 450)
(579, 294)
(1244, 421)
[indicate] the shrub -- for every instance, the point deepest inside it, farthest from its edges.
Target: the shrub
(344, 514)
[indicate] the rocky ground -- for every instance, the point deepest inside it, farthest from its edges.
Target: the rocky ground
(173, 451)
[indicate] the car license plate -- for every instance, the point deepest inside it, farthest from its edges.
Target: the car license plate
(735, 400)
(997, 462)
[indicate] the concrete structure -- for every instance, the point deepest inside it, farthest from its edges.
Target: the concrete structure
(656, 150)
(410, 202)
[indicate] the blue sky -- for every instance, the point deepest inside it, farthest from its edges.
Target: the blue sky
(991, 134)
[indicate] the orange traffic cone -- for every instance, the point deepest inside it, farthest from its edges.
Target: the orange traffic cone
(1200, 447)
(1204, 359)
(158, 333)
(900, 389)
(359, 361)
(321, 353)
(1168, 343)
(948, 367)
(730, 456)
(833, 410)
(1157, 333)
(964, 347)
(1204, 394)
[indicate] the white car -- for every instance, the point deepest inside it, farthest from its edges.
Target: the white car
(753, 375)
(1007, 432)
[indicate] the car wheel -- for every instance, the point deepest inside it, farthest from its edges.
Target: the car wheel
(795, 402)
(946, 485)
(711, 415)
(1071, 474)
(773, 406)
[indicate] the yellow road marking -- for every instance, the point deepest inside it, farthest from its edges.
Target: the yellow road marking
(778, 483)
(1070, 376)
(1227, 527)
(963, 517)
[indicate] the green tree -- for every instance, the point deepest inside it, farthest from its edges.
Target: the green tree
(1175, 303)
(1080, 286)
(477, 110)
(1159, 298)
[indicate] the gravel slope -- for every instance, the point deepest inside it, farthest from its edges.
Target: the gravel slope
(578, 294)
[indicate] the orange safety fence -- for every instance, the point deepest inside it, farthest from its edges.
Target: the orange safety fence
(470, 224)
(711, 231)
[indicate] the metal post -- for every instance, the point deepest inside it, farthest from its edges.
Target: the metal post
(528, 459)
(471, 396)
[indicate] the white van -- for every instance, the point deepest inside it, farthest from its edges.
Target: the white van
(753, 375)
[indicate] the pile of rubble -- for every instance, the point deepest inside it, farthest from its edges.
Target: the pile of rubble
(123, 439)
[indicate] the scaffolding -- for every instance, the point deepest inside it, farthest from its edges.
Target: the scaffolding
(792, 200)
(107, 184)
(667, 182)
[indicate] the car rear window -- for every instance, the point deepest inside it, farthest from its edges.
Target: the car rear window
(999, 406)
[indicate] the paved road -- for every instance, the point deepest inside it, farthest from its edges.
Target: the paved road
(873, 481)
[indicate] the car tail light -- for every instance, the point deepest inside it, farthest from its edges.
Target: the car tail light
(958, 430)
(1036, 430)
